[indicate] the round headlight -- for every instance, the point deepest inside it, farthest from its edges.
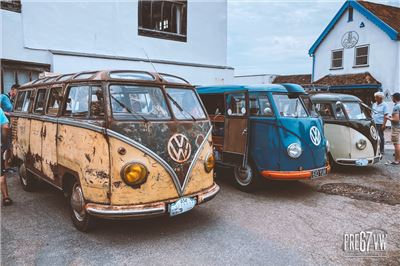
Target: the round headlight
(361, 144)
(294, 150)
(134, 174)
(209, 163)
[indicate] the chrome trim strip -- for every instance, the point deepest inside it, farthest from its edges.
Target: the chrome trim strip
(128, 212)
(146, 150)
(188, 173)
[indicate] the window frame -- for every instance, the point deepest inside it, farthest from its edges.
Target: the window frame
(332, 52)
(29, 104)
(66, 96)
(278, 113)
(148, 32)
(132, 119)
(52, 113)
(36, 98)
(257, 96)
(355, 55)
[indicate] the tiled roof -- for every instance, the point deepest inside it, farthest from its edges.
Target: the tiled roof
(348, 79)
(296, 79)
(388, 14)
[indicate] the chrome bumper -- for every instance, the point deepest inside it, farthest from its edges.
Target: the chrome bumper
(145, 210)
(371, 160)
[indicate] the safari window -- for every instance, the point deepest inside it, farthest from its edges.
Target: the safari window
(130, 102)
(96, 102)
(77, 104)
(259, 105)
(236, 104)
(54, 101)
(40, 101)
(185, 104)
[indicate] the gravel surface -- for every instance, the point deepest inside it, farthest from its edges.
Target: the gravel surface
(284, 223)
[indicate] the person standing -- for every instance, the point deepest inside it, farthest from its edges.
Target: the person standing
(3, 182)
(395, 119)
(380, 116)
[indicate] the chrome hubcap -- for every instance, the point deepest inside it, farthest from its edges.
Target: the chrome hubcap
(243, 175)
(77, 203)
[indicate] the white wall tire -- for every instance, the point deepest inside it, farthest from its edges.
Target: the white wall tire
(246, 178)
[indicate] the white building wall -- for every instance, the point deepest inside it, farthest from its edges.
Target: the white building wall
(111, 29)
(254, 79)
(383, 55)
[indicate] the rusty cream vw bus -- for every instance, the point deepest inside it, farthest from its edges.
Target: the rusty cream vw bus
(119, 144)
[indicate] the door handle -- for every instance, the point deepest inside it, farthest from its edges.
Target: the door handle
(244, 131)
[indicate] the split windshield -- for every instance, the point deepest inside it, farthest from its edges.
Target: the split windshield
(289, 106)
(185, 104)
(138, 103)
(132, 102)
(355, 111)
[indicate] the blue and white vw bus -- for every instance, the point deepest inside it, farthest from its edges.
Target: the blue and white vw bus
(265, 131)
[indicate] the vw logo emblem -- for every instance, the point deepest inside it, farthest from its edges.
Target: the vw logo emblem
(374, 133)
(179, 148)
(315, 135)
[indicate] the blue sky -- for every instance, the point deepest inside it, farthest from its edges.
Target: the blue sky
(273, 37)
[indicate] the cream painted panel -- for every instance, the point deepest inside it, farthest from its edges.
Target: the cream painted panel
(200, 179)
(86, 152)
(35, 144)
(339, 140)
(368, 152)
(49, 149)
(159, 185)
(21, 142)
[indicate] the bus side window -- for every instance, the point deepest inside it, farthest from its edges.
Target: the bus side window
(40, 101)
(260, 105)
(77, 103)
(54, 101)
(325, 110)
(23, 101)
(97, 102)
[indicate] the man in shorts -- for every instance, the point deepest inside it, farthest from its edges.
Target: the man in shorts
(395, 119)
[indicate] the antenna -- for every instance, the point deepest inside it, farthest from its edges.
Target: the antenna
(155, 70)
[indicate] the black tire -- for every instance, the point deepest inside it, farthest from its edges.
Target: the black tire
(27, 179)
(332, 163)
(82, 221)
(246, 179)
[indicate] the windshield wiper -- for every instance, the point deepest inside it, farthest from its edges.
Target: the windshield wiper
(129, 110)
(179, 107)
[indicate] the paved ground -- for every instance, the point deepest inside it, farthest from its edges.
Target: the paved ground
(287, 223)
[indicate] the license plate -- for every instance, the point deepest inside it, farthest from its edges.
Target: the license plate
(318, 173)
(362, 162)
(181, 206)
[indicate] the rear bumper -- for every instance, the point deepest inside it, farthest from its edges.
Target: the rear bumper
(145, 210)
(354, 162)
(292, 175)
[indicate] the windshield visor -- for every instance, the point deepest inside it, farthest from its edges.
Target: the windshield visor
(185, 104)
(138, 103)
(289, 107)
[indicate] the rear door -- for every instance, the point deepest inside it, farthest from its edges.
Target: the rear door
(235, 148)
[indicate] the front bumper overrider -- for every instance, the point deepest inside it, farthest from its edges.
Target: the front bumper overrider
(145, 210)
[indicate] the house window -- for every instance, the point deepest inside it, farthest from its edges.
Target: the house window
(350, 14)
(163, 19)
(337, 59)
(361, 56)
(11, 5)
(17, 72)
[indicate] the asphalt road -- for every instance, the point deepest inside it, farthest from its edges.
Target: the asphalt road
(285, 223)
